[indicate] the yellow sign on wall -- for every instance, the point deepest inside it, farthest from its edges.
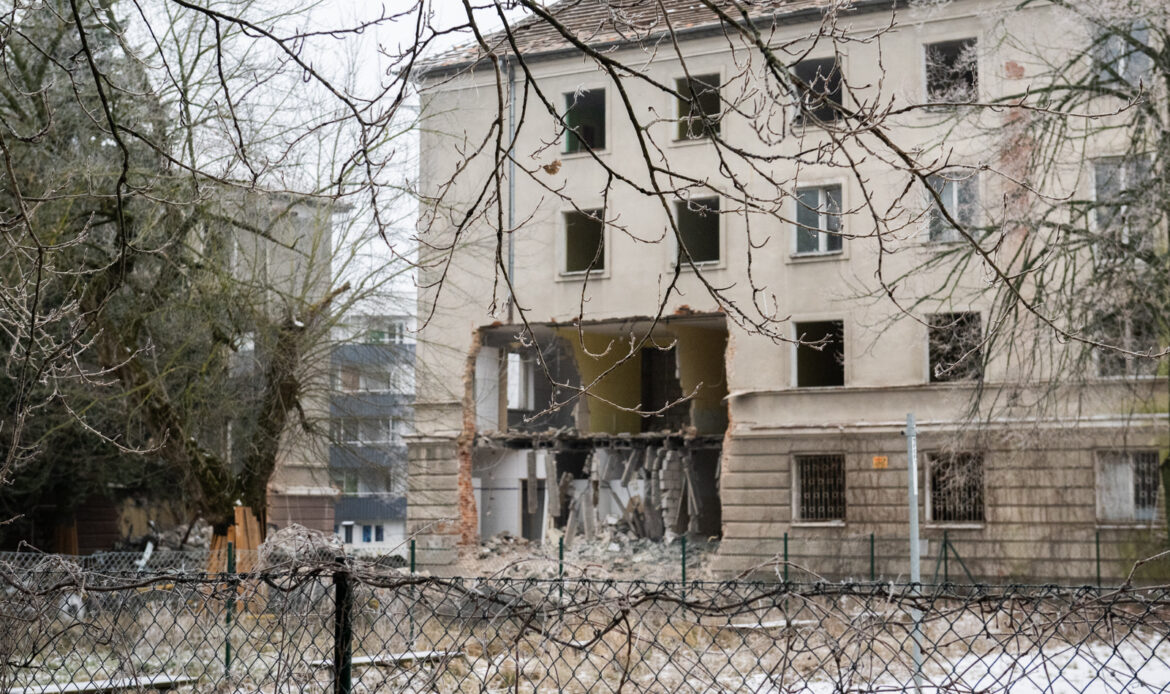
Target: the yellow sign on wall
(880, 462)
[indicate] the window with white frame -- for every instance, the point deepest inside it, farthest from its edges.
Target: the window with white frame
(1119, 52)
(1127, 486)
(959, 193)
(819, 487)
(952, 71)
(699, 106)
(698, 230)
(818, 220)
(955, 488)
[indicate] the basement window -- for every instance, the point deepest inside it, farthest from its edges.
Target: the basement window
(584, 121)
(955, 488)
(956, 347)
(1127, 486)
(952, 72)
(698, 230)
(820, 93)
(818, 220)
(820, 487)
(698, 106)
(584, 241)
(821, 363)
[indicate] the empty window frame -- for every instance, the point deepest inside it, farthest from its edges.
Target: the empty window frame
(584, 121)
(699, 106)
(584, 241)
(820, 89)
(820, 487)
(959, 193)
(347, 530)
(1125, 206)
(820, 363)
(1119, 53)
(818, 220)
(379, 533)
(955, 487)
(952, 71)
(955, 347)
(1127, 486)
(698, 230)
(1131, 331)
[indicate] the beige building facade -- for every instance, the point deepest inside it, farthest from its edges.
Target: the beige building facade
(701, 413)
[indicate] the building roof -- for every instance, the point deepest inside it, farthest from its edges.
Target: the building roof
(607, 23)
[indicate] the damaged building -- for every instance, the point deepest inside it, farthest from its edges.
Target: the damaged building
(572, 408)
(547, 456)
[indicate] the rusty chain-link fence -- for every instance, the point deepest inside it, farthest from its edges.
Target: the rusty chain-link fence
(355, 626)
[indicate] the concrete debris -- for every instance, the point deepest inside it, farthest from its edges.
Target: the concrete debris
(296, 543)
(613, 554)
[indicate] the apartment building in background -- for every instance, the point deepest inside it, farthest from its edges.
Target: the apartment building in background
(757, 442)
(372, 365)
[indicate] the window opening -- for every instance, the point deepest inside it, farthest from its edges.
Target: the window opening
(956, 347)
(1133, 331)
(824, 364)
(584, 241)
(584, 121)
(521, 377)
(698, 106)
(379, 533)
(1116, 58)
(821, 98)
(952, 71)
(660, 385)
(698, 229)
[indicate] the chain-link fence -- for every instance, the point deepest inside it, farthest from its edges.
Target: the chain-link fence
(355, 626)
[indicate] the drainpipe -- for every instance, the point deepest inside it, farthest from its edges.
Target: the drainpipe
(511, 182)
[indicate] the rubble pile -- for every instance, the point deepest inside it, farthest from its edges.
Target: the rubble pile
(613, 553)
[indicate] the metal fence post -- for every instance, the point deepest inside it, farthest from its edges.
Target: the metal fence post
(915, 548)
(561, 567)
(786, 557)
(684, 564)
(872, 562)
(231, 608)
(946, 558)
(1098, 558)
(413, 601)
(342, 629)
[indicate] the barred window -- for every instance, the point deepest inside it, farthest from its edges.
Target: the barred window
(1127, 485)
(820, 485)
(956, 487)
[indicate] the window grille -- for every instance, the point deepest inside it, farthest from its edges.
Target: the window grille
(1127, 485)
(821, 487)
(956, 488)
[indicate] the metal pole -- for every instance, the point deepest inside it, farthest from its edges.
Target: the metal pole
(786, 557)
(1098, 558)
(946, 558)
(231, 608)
(915, 558)
(872, 562)
(342, 630)
(684, 564)
(561, 567)
(413, 602)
